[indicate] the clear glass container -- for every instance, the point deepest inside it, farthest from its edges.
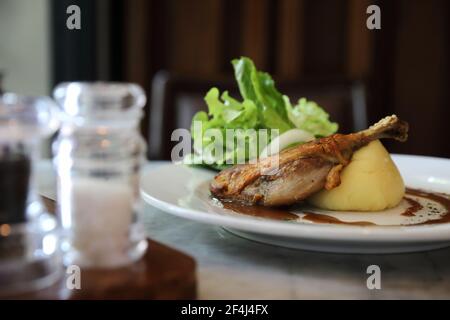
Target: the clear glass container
(29, 256)
(99, 153)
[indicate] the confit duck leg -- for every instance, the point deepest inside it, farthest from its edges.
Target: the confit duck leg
(302, 170)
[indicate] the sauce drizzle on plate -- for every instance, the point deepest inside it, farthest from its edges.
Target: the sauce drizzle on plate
(427, 207)
(261, 211)
(323, 218)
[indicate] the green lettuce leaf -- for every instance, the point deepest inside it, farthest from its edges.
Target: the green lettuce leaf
(224, 113)
(259, 87)
(262, 107)
(309, 116)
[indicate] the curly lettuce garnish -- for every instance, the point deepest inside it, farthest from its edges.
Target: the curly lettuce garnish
(262, 107)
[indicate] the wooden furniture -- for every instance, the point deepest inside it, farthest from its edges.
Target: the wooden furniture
(163, 273)
(175, 99)
(406, 62)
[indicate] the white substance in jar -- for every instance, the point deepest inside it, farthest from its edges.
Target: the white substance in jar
(101, 214)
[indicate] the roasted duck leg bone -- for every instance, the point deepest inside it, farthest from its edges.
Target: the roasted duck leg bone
(302, 170)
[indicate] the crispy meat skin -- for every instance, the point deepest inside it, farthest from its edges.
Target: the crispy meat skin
(296, 173)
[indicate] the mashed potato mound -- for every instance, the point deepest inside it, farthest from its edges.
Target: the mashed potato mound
(370, 182)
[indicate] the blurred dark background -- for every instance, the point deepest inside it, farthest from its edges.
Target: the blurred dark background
(321, 49)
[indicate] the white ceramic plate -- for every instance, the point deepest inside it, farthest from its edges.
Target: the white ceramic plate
(183, 191)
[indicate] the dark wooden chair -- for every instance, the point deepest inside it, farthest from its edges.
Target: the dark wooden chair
(175, 99)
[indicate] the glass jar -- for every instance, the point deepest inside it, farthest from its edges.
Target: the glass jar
(29, 256)
(98, 155)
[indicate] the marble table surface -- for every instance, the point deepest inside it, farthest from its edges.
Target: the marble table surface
(229, 267)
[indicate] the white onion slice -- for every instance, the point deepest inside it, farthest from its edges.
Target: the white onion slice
(284, 140)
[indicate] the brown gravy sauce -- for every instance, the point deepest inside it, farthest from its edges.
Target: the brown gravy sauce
(442, 199)
(414, 206)
(284, 213)
(260, 211)
(323, 218)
